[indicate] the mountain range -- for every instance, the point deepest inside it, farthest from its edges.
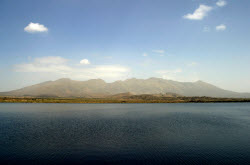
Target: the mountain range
(98, 88)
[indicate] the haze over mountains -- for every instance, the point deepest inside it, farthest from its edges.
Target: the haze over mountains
(99, 88)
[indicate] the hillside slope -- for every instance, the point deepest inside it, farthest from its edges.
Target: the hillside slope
(98, 88)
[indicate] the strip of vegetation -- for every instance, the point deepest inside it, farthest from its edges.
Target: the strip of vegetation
(129, 100)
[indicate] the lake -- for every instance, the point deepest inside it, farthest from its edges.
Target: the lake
(125, 133)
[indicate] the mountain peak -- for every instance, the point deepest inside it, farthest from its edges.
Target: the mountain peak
(154, 78)
(199, 81)
(64, 79)
(66, 87)
(96, 80)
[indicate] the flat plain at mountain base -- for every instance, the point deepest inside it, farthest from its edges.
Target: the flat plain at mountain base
(132, 99)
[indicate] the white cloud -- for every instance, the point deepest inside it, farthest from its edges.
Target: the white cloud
(221, 3)
(58, 66)
(199, 13)
(192, 64)
(158, 51)
(178, 75)
(50, 60)
(221, 27)
(145, 54)
(84, 62)
(35, 28)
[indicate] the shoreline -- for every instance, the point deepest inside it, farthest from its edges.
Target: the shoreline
(123, 101)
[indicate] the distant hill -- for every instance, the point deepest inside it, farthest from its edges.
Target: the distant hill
(97, 88)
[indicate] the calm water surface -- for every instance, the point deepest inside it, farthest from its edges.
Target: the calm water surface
(125, 133)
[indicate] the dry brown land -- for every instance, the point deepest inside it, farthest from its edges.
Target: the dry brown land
(121, 100)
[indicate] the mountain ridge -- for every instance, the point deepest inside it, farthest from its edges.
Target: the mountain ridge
(94, 88)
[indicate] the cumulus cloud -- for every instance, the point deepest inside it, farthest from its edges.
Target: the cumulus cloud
(221, 3)
(159, 51)
(221, 27)
(199, 13)
(35, 28)
(145, 54)
(84, 62)
(59, 66)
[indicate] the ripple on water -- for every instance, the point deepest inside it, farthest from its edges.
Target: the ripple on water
(125, 133)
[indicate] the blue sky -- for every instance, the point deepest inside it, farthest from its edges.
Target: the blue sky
(182, 40)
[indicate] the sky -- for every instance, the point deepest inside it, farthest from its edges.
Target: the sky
(181, 40)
